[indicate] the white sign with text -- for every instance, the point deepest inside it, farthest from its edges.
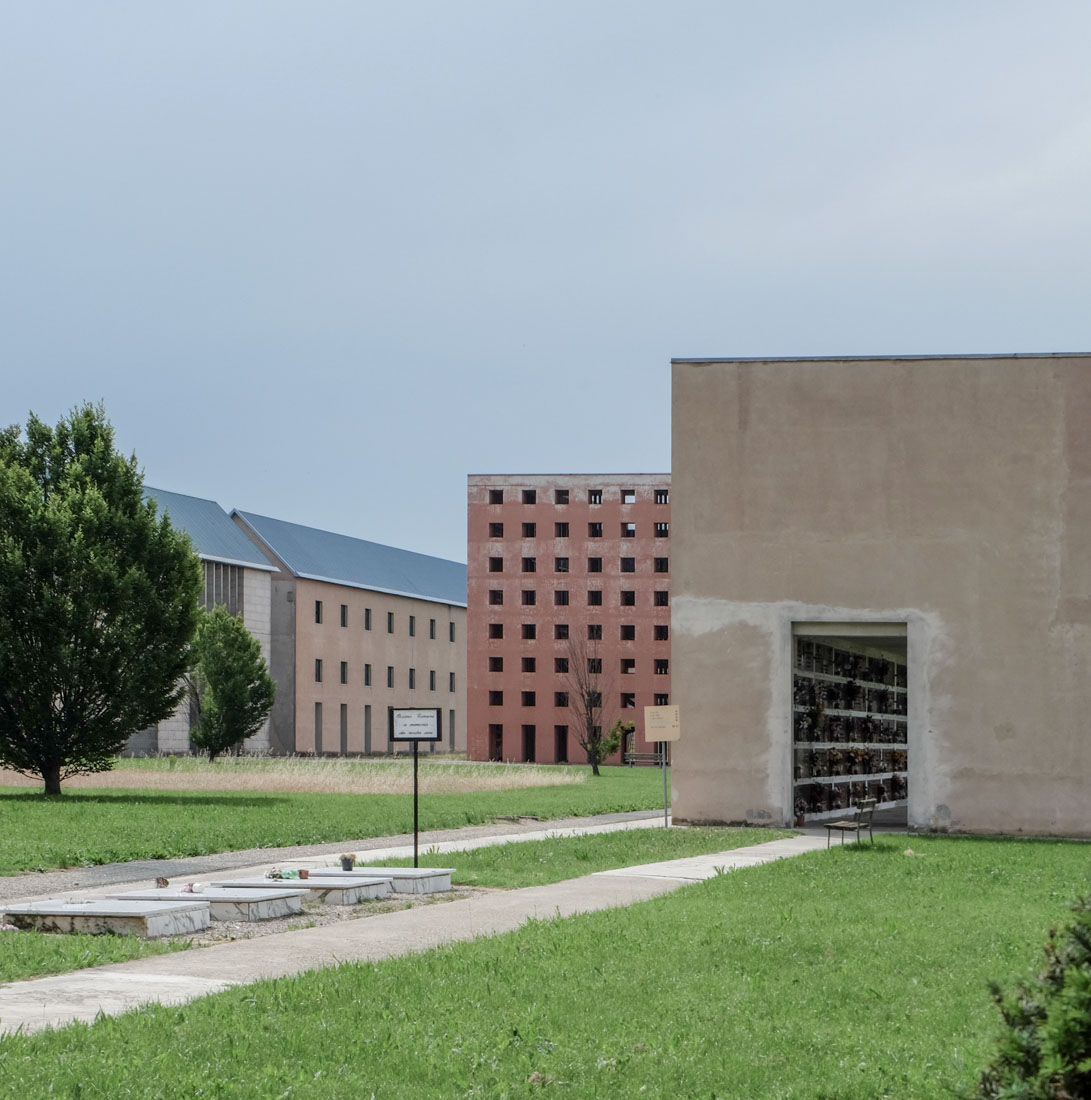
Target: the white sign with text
(414, 725)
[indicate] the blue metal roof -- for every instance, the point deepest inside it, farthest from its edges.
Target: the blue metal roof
(341, 559)
(214, 536)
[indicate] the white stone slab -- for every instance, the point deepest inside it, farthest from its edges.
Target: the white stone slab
(406, 880)
(227, 904)
(99, 916)
(328, 890)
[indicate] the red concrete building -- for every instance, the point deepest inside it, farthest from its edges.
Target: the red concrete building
(564, 570)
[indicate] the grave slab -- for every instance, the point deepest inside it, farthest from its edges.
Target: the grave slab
(101, 916)
(227, 904)
(406, 880)
(327, 890)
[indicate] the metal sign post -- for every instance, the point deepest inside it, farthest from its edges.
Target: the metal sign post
(663, 765)
(662, 724)
(411, 724)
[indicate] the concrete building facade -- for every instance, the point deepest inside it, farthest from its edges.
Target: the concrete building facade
(357, 628)
(564, 569)
(237, 576)
(882, 584)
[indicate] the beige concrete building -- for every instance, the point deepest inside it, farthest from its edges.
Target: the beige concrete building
(882, 585)
(358, 628)
(237, 576)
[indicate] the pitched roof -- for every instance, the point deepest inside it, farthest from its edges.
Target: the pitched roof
(341, 559)
(214, 536)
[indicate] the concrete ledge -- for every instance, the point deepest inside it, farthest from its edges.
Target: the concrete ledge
(332, 891)
(103, 916)
(405, 880)
(227, 904)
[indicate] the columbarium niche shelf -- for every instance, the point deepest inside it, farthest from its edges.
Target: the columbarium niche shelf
(850, 730)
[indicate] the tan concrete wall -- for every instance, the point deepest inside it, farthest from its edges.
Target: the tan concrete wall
(172, 734)
(331, 643)
(952, 495)
(257, 614)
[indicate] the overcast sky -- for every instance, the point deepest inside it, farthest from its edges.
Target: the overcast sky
(322, 260)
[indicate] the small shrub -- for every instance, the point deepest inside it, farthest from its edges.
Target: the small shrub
(1045, 1046)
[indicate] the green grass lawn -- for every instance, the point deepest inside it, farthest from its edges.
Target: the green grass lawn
(853, 974)
(87, 826)
(536, 862)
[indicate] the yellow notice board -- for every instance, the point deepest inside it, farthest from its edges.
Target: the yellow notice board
(662, 724)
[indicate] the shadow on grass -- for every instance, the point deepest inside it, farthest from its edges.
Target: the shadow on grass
(115, 797)
(881, 847)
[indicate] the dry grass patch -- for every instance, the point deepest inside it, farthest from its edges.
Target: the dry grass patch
(302, 775)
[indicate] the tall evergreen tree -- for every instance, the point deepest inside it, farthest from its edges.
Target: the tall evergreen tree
(232, 689)
(98, 600)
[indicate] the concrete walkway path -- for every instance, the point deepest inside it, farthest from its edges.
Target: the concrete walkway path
(183, 976)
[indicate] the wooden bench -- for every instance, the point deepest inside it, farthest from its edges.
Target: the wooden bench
(632, 758)
(860, 821)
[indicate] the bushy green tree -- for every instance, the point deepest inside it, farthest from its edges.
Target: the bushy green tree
(232, 689)
(1044, 1051)
(98, 600)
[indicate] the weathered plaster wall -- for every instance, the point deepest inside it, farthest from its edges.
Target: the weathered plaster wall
(257, 615)
(953, 495)
(282, 739)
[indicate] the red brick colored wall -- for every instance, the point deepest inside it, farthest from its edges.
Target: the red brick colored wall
(544, 547)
